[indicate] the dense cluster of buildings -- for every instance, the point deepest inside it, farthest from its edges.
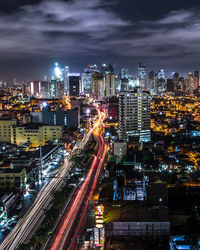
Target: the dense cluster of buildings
(152, 126)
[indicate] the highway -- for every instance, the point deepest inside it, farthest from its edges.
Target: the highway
(66, 234)
(24, 228)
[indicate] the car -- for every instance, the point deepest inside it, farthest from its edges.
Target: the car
(4, 229)
(15, 217)
(19, 206)
(10, 222)
(3, 222)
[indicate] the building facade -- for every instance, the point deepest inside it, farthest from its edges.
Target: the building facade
(109, 85)
(134, 115)
(35, 134)
(69, 119)
(74, 84)
(5, 129)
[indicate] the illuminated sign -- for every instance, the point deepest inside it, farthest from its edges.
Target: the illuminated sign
(99, 210)
(96, 236)
(99, 221)
(102, 236)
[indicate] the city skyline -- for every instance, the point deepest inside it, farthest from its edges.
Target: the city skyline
(77, 33)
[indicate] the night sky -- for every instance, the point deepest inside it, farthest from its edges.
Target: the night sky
(161, 34)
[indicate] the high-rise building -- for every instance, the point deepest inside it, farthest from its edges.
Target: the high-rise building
(107, 69)
(170, 85)
(142, 75)
(123, 80)
(196, 80)
(45, 89)
(87, 78)
(74, 84)
(161, 74)
(124, 74)
(176, 80)
(66, 79)
(98, 86)
(109, 85)
(56, 88)
(35, 88)
(190, 84)
(142, 71)
(134, 115)
(151, 83)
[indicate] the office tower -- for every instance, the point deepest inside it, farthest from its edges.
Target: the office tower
(161, 74)
(56, 88)
(142, 71)
(151, 75)
(107, 69)
(181, 84)
(109, 85)
(196, 80)
(26, 89)
(66, 79)
(74, 84)
(134, 115)
(35, 88)
(151, 83)
(124, 74)
(160, 85)
(142, 76)
(190, 83)
(98, 86)
(60, 89)
(123, 80)
(45, 78)
(56, 85)
(176, 81)
(87, 78)
(117, 84)
(45, 89)
(170, 85)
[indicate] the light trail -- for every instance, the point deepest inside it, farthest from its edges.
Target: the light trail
(82, 199)
(30, 221)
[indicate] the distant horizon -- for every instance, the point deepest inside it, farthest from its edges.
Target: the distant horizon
(78, 32)
(49, 72)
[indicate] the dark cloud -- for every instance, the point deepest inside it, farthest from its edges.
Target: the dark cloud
(81, 30)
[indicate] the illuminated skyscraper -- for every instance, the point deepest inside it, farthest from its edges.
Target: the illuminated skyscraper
(124, 74)
(56, 87)
(74, 84)
(87, 78)
(45, 89)
(142, 75)
(161, 74)
(109, 85)
(66, 79)
(142, 71)
(35, 88)
(134, 115)
(190, 84)
(97, 86)
(196, 80)
(123, 80)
